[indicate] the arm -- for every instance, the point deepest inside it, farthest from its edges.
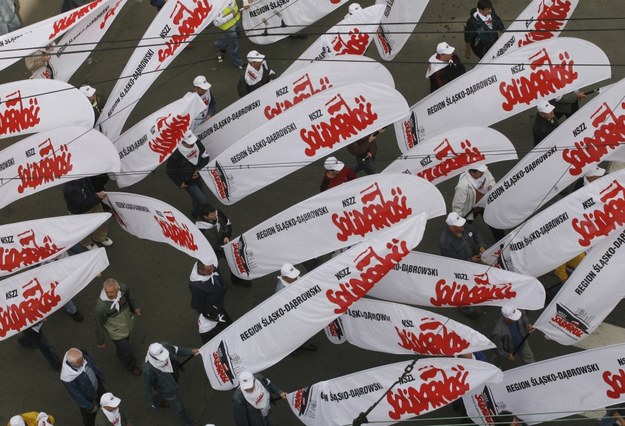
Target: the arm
(460, 203)
(227, 232)
(223, 19)
(148, 377)
(173, 169)
(100, 332)
(78, 397)
(212, 105)
(130, 297)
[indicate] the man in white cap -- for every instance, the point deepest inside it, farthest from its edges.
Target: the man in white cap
(510, 336)
(84, 382)
(444, 66)
(183, 168)
(160, 372)
(482, 29)
(545, 121)
(257, 73)
(251, 400)
(336, 173)
(202, 88)
(109, 413)
(97, 102)
(472, 186)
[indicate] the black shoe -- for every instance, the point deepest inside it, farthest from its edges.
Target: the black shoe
(77, 316)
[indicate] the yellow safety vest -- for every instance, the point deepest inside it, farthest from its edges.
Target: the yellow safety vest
(234, 20)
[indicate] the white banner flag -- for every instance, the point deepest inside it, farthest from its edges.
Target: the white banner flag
(177, 23)
(351, 36)
(399, 329)
(432, 384)
(28, 243)
(398, 22)
(453, 152)
(28, 39)
(589, 295)
(429, 280)
(267, 21)
(151, 141)
(512, 84)
(154, 220)
(31, 296)
(293, 315)
(555, 388)
(574, 147)
(31, 106)
(305, 133)
(78, 43)
(269, 101)
(563, 230)
(337, 218)
(541, 20)
(52, 158)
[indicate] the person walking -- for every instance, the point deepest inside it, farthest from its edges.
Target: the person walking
(84, 382)
(250, 401)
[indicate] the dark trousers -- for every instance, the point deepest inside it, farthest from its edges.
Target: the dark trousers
(88, 419)
(124, 352)
(176, 406)
(31, 339)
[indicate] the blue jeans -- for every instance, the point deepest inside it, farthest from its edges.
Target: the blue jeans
(198, 193)
(124, 352)
(366, 165)
(176, 405)
(230, 42)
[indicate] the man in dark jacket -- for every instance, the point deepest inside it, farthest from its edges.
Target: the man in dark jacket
(250, 401)
(183, 168)
(207, 287)
(545, 122)
(482, 29)
(84, 382)
(365, 150)
(257, 74)
(215, 226)
(159, 375)
(444, 66)
(80, 198)
(509, 335)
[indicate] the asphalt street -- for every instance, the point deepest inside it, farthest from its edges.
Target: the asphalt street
(159, 274)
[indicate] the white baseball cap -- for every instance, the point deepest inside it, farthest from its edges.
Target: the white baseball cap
(454, 219)
(545, 107)
(480, 168)
(333, 164)
(17, 421)
(354, 7)
(158, 351)
(510, 312)
(246, 380)
(109, 400)
(255, 56)
(87, 90)
(189, 138)
(289, 271)
(200, 81)
(444, 49)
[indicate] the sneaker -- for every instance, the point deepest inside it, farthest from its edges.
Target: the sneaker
(77, 316)
(220, 58)
(107, 242)
(91, 246)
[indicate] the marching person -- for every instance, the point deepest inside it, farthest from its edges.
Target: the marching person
(109, 413)
(257, 74)
(207, 287)
(335, 174)
(365, 149)
(444, 66)
(510, 334)
(114, 315)
(482, 29)
(229, 21)
(84, 382)
(33, 337)
(545, 122)
(203, 88)
(97, 101)
(160, 372)
(251, 400)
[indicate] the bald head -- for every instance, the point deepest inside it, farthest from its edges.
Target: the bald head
(75, 357)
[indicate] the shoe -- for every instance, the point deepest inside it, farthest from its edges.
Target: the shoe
(91, 246)
(107, 242)
(309, 347)
(77, 316)
(135, 371)
(220, 58)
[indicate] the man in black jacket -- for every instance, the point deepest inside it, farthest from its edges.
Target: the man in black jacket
(183, 168)
(444, 66)
(82, 198)
(545, 121)
(482, 29)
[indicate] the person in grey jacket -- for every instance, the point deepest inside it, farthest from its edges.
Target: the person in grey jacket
(509, 335)
(160, 385)
(250, 401)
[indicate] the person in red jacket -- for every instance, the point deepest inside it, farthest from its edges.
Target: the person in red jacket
(336, 174)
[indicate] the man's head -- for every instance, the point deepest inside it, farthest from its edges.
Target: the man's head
(455, 223)
(111, 288)
(333, 166)
(545, 109)
(109, 402)
(158, 352)
(75, 357)
(478, 171)
(209, 212)
(189, 139)
(88, 91)
(444, 52)
(289, 273)
(200, 85)
(510, 314)
(206, 270)
(485, 7)
(255, 59)
(247, 381)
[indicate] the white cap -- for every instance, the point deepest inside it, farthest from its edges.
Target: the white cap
(454, 219)
(246, 380)
(510, 312)
(17, 421)
(595, 172)
(189, 138)
(158, 351)
(545, 107)
(254, 56)
(332, 163)
(109, 400)
(444, 49)
(289, 271)
(43, 416)
(87, 90)
(200, 81)
(480, 168)
(354, 7)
